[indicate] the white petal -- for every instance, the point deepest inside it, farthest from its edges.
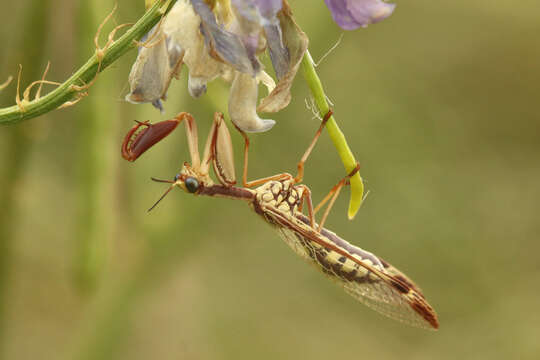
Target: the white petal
(243, 104)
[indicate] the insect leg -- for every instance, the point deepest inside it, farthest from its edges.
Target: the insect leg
(332, 196)
(221, 151)
(257, 182)
(306, 196)
(128, 139)
(137, 142)
(192, 137)
(302, 161)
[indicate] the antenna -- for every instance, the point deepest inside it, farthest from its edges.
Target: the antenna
(164, 194)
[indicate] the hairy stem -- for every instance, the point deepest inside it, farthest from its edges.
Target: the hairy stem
(337, 136)
(67, 91)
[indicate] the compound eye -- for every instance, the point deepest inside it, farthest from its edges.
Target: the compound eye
(176, 177)
(191, 184)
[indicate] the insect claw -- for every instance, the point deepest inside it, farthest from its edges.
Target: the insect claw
(327, 116)
(354, 171)
(137, 142)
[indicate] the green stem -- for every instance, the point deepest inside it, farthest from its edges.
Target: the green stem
(66, 91)
(338, 138)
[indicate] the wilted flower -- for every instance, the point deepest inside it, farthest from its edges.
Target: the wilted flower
(352, 14)
(223, 38)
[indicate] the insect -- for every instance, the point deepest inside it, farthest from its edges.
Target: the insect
(280, 200)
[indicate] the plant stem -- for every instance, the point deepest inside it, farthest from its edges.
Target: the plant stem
(66, 92)
(337, 136)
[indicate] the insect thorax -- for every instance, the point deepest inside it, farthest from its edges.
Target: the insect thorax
(282, 195)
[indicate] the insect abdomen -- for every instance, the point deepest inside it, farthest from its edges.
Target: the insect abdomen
(334, 264)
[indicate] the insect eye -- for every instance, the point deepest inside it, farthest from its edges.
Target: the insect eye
(191, 184)
(176, 177)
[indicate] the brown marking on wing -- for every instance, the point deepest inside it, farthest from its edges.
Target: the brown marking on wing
(404, 288)
(396, 274)
(403, 281)
(425, 311)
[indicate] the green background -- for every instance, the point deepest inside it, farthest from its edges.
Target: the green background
(439, 103)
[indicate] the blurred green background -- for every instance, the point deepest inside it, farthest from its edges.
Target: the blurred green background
(439, 103)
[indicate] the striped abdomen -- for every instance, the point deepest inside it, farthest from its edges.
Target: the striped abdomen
(366, 277)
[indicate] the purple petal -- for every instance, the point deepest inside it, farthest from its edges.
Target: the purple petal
(158, 105)
(269, 8)
(256, 14)
(279, 54)
(296, 43)
(352, 14)
(227, 45)
(259, 11)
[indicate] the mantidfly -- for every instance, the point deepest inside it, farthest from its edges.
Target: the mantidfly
(279, 200)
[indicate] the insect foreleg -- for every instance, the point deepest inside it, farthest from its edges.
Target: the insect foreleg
(220, 151)
(137, 141)
(192, 137)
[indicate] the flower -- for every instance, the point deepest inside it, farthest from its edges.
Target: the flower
(222, 39)
(352, 14)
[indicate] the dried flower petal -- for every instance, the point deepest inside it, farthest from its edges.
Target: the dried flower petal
(243, 102)
(223, 38)
(223, 44)
(269, 8)
(266, 80)
(352, 14)
(151, 73)
(258, 11)
(279, 54)
(196, 86)
(181, 27)
(296, 43)
(256, 15)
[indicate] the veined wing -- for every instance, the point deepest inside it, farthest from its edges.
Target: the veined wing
(363, 275)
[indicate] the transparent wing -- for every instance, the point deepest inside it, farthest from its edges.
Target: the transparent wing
(363, 275)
